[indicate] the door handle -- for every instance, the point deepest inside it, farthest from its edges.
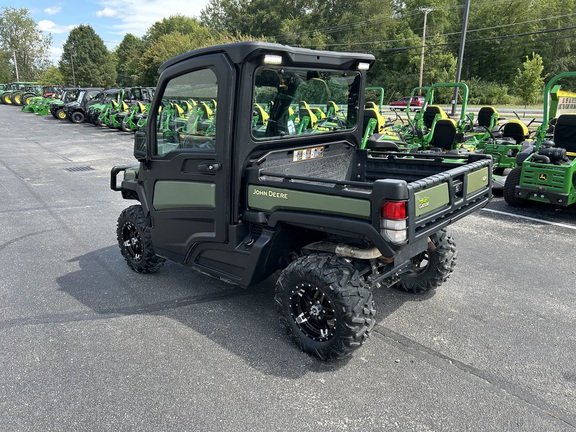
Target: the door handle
(209, 167)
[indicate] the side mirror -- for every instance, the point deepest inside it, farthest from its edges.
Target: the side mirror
(140, 145)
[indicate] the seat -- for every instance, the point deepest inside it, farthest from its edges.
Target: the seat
(373, 123)
(565, 133)
(444, 134)
(516, 130)
(331, 109)
(430, 114)
(308, 119)
(488, 117)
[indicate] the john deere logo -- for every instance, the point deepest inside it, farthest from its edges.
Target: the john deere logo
(543, 176)
(423, 202)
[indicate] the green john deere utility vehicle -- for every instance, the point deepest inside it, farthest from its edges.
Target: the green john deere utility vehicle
(241, 203)
(546, 171)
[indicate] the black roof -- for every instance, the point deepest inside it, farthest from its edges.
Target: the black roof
(240, 52)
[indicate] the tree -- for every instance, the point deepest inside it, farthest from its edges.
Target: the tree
(6, 75)
(128, 54)
(173, 24)
(529, 82)
(52, 75)
(86, 61)
(173, 44)
(28, 47)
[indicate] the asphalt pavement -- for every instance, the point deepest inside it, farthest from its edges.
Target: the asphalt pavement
(86, 344)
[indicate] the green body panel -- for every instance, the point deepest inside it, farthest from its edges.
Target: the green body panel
(477, 180)
(431, 199)
(182, 194)
(554, 178)
(270, 199)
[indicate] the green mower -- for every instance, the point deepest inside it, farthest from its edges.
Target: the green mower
(546, 171)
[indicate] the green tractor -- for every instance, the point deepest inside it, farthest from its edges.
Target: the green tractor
(12, 94)
(41, 104)
(546, 171)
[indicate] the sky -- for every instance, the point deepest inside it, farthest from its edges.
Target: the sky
(110, 19)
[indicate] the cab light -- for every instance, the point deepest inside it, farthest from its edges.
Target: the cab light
(363, 66)
(271, 59)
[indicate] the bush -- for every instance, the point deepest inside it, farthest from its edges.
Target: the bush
(487, 93)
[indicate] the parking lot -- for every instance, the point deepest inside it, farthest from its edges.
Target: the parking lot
(89, 345)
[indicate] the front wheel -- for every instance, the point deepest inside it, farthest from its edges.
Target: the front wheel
(509, 192)
(135, 241)
(325, 306)
(429, 269)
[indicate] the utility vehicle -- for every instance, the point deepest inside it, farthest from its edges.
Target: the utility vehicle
(241, 203)
(76, 110)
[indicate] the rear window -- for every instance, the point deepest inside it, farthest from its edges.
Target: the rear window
(296, 101)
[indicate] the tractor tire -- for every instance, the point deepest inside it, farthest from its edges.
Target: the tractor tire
(16, 98)
(6, 99)
(26, 98)
(431, 268)
(509, 191)
(135, 241)
(324, 305)
(77, 117)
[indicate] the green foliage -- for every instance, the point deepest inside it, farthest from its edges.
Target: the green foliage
(528, 83)
(487, 93)
(6, 75)
(175, 43)
(128, 54)
(93, 63)
(52, 75)
(28, 47)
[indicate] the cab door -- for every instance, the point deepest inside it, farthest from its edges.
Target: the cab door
(186, 176)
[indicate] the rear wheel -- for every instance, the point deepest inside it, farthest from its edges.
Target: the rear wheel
(77, 117)
(325, 306)
(16, 98)
(6, 99)
(432, 267)
(509, 192)
(135, 241)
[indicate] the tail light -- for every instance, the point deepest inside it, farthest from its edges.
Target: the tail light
(393, 221)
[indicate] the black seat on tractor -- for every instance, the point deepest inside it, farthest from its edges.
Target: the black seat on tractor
(516, 130)
(565, 133)
(430, 115)
(485, 116)
(444, 134)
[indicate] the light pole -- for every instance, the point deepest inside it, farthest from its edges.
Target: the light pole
(16, 67)
(426, 11)
(72, 62)
(461, 53)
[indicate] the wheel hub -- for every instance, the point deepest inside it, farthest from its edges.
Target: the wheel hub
(313, 312)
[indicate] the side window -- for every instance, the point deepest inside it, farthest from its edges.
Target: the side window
(187, 115)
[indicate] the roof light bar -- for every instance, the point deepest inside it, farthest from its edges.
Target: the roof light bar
(272, 59)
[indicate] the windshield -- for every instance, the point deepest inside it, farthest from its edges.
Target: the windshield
(81, 96)
(295, 101)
